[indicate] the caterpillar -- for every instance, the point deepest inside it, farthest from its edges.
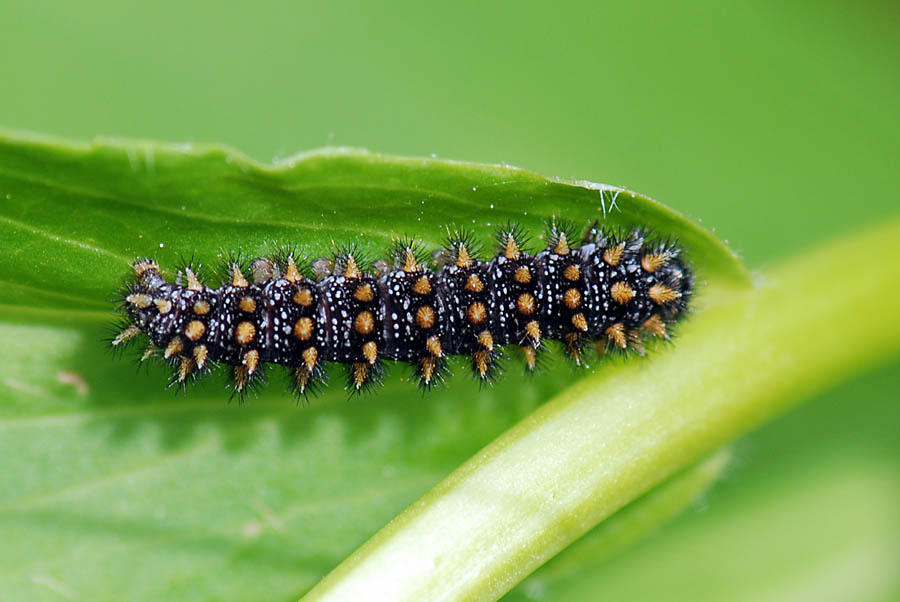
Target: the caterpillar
(611, 292)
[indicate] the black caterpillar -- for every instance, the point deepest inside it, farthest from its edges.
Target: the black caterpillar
(611, 292)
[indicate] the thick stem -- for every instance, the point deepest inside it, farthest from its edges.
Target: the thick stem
(630, 524)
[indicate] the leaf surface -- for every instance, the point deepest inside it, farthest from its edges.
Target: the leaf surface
(114, 487)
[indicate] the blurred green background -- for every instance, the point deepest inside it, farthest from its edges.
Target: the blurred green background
(775, 124)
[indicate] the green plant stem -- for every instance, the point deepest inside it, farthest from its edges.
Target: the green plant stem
(612, 436)
(630, 524)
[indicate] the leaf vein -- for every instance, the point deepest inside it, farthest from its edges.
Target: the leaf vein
(58, 238)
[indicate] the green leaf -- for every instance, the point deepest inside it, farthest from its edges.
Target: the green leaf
(105, 471)
(74, 216)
